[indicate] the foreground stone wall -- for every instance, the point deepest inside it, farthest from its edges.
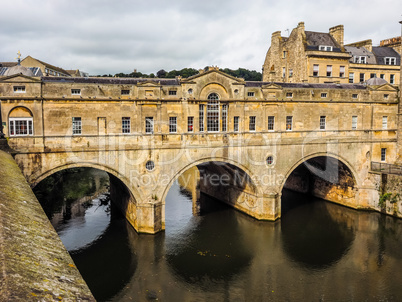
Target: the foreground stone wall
(35, 266)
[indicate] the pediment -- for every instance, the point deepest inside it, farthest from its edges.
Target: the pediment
(384, 87)
(19, 78)
(213, 75)
(272, 86)
(149, 84)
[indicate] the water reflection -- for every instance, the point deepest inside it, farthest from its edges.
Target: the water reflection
(317, 251)
(210, 252)
(315, 243)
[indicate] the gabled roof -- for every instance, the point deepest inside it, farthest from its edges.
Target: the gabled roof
(21, 78)
(47, 65)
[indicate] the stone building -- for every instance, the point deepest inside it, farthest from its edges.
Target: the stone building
(315, 57)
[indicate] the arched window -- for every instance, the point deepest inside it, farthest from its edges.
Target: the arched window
(20, 122)
(213, 113)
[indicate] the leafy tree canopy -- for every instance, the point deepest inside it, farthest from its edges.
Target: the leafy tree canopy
(248, 75)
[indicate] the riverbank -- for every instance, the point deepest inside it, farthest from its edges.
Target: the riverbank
(34, 264)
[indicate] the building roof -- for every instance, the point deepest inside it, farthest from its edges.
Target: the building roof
(8, 64)
(315, 39)
(47, 65)
(383, 52)
(361, 51)
(108, 80)
(307, 85)
(18, 69)
(376, 82)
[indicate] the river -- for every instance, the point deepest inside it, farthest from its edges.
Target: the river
(317, 251)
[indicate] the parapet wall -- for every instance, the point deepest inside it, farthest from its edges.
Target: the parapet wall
(35, 266)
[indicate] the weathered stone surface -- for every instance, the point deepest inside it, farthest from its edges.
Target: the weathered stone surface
(35, 266)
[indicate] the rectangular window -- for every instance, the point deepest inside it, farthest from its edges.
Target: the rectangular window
(236, 124)
(351, 77)
(201, 118)
(373, 75)
(284, 54)
(355, 96)
(125, 125)
(392, 79)
(384, 122)
(390, 61)
(360, 59)
(224, 117)
(149, 124)
(213, 116)
(382, 76)
(342, 71)
(383, 154)
(271, 123)
(289, 120)
(125, 92)
(289, 94)
(283, 72)
(329, 70)
(21, 126)
(250, 93)
(251, 125)
(76, 91)
(19, 89)
(361, 77)
(354, 122)
(172, 92)
(386, 96)
(315, 70)
(290, 72)
(324, 94)
(190, 124)
(172, 124)
(77, 126)
(322, 122)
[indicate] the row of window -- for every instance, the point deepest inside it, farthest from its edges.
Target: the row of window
(212, 127)
(316, 71)
(372, 75)
(363, 60)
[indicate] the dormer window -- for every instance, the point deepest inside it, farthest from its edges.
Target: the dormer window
(361, 59)
(325, 48)
(390, 61)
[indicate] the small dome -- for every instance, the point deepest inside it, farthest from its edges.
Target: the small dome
(376, 82)
(18, 69)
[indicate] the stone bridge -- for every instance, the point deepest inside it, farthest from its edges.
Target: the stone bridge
(249, 140)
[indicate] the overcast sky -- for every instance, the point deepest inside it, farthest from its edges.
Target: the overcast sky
(102, 37)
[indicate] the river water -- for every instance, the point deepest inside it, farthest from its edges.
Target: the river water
(317, 251)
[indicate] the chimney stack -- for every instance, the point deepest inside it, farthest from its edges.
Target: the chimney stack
(337, 33)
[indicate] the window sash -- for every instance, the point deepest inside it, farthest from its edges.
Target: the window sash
(384, 122)
(21, 126)
(289, 120)
(322, 122)
(172, 124)
(271, 123)
(236, 124)
(251, 125)
(383, 154)
(201, 118)
(224, 117)
(190, 124)
(125, 125)
(149, 124)
(354, 122)
(77, 125)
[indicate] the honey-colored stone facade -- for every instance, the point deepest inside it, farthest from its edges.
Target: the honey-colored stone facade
(342, 121)
(298, 58)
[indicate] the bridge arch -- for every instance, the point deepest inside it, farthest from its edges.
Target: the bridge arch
(183, 169)
(325, 175)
